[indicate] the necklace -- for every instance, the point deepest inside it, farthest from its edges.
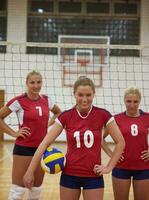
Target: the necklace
(84, 117)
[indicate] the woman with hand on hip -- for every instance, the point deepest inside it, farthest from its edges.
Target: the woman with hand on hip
(133, 166)
(32, 110)
(83, 124)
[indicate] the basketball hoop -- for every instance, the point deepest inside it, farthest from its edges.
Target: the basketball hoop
(83, 62)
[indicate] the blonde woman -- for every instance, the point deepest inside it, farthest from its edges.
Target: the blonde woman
(133, 166)
(32, 110)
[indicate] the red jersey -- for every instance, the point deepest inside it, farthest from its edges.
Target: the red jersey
(83, 140)
(33, 114)
(135, 131)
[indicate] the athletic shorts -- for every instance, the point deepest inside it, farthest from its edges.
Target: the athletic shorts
(127, 174)
(76, 182)
(23, 150)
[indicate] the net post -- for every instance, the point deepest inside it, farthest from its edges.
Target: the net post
(2, 95)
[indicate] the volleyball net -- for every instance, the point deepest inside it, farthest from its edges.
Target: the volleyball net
(112, 68)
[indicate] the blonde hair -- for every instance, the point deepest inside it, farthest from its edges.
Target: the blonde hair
(132, 90)
(33, 72)
(84, 81)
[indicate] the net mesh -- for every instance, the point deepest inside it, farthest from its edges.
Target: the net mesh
(110, 76)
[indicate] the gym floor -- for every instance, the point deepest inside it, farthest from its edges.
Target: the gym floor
(51, 182)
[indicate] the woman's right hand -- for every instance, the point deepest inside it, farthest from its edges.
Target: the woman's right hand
(121, 159)
(23, 132)
(28, 180)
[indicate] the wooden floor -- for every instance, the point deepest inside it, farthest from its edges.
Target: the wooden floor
(51, 182)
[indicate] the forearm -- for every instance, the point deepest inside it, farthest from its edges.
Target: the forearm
(118, 150)
(36, 158)
(117, 137)
(47, 141)
(106, 148)
(5, 128)
(52, 120)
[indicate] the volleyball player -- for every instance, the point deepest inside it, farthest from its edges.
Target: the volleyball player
(133, 167)
(32, 110)
(83, 124)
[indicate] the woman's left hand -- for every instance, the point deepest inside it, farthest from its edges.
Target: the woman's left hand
(101, 169)
(145, 155)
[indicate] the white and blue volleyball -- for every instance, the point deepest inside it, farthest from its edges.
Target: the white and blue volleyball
(52, 160)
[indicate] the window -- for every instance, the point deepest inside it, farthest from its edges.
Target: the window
(3, 24)
(126, 8)
(3, 5)
(95, 8)
(41, 6)
(70, 7)
(105, 18)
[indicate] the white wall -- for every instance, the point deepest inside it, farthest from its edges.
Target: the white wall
(17, 20)
(144, 40)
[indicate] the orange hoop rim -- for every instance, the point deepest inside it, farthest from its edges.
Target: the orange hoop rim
(83, 62)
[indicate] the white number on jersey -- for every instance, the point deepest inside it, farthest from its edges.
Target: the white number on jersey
(88, 139)
(39, 110)
(134, 130)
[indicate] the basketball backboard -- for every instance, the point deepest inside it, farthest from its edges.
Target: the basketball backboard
(85, 56)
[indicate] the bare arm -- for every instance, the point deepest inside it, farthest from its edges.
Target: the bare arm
(105, 145)
(49, 139)
(119, 141)
(23, 132)
(106, 148)
(56, 112)
(116, 135)
(145, 153)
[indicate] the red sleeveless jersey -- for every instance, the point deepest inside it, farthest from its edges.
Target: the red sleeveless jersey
(83, 140)
(135, 131)
(33, 114)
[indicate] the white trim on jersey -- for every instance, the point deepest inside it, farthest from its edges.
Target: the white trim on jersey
(16, 107)
(56, 120)
(110, 120)
(84, 117)
(50, 103)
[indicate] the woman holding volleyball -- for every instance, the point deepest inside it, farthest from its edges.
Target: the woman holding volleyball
(133, 166)
(32, 110)
(83, 124)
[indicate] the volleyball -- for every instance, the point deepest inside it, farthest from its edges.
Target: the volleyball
(52, 161)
